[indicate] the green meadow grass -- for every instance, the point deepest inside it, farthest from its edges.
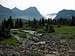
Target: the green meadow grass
(65, 29)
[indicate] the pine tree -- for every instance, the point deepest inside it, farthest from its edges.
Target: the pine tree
(49, 21)
(16, 23)
(54, 21)
(40, 22)
(34, 24)
(73, 21)
(43, 22)
(10, 22)
(20, 23)
(4, 32)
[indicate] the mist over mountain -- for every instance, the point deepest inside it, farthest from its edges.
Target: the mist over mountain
(65, 14)
(29, 14)
(52, 15)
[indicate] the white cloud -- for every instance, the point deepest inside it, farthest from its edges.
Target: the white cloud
(44, 6)
(8, 3)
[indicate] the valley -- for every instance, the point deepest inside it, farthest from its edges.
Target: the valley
(29, 33)
(32, 43)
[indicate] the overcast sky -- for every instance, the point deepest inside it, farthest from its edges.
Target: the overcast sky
(44, 6)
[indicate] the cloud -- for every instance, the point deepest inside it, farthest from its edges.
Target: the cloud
(8, 3)
(44, 6)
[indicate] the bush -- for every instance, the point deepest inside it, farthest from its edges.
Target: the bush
(58, 25)
(4, 33)
(50, 28)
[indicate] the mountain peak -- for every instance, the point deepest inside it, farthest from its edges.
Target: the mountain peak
(31, 8)
(15, 8)
(29, 13)
(65, 10)
(66, 14)
(1, 5)
(33, 13)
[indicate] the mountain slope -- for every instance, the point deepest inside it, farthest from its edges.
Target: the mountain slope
(29, 13)
(5, 11)
(32, 12)
(17, 12)
(66, 14)
(52, 15)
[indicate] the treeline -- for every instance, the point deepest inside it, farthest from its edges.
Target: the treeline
(11, 23)
(48, 24)
(63, 21)
(42, 23)
(6, 25)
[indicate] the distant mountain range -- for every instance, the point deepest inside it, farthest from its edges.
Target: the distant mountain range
(29, 13)
(65, 14)
(32, 12)
(5, 11)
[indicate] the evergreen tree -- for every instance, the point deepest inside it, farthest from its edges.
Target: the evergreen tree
(73, 21)
(60, 21)
(16, 23)
(49, 21)
(4, 23)
(34, 24)
(29, 23)
(54, 21)
(40, 22)
(10, 22)
(20, 23)
(43, 22)
(4, 32)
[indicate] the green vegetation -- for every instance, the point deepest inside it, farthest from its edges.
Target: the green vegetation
(59, 26)
(41, 29)
(9, 41)
(62, 29)
(65, 29)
